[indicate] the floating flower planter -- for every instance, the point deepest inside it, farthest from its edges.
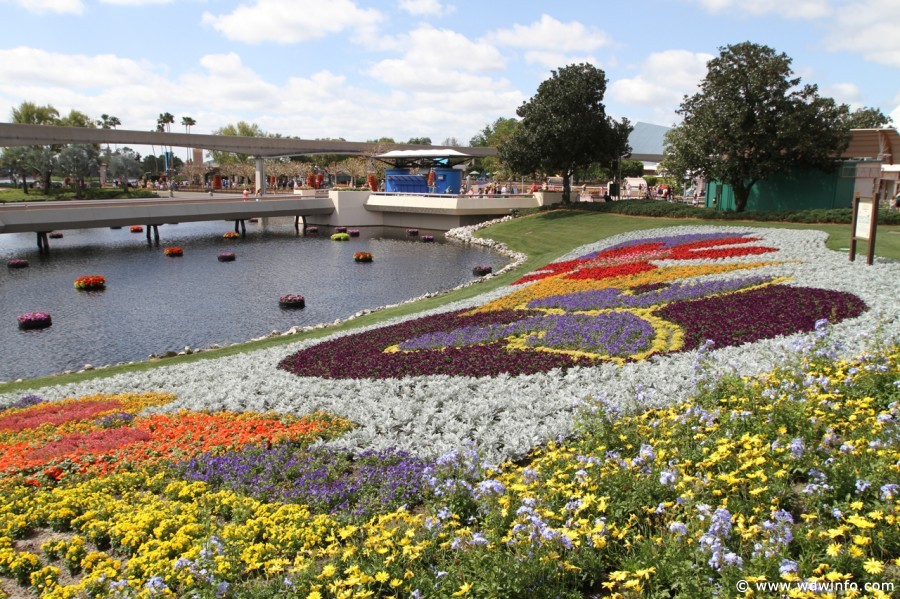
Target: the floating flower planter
(412, 232)
(362, 257)
(115, 228)
(353, 232)
(90, 283)
(340, 237)
(480, 271)
(17, 263)
(312, 230)
(136, 229)
(231, 235)
(34, 320)
(174, 252)
(226, 257)
(55, 235)
(427, 238)
(292, 300)
(254, 220)
(341, 229)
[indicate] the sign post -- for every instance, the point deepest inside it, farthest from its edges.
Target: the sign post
(865, 220)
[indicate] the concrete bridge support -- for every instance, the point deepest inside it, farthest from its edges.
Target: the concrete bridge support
(261, 175)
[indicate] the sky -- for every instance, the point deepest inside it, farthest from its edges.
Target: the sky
(442, 69)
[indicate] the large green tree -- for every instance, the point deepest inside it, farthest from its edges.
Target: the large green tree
(239, 129)
(79, 161)
(492, 136)
(751, 120)
(565, 128)
(867, 118)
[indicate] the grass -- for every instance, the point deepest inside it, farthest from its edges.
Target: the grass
(543, 237)
(12, 196)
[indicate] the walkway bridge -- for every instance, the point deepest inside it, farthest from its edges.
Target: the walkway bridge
(43, 217)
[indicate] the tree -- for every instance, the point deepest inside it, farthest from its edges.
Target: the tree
(188, 122)
(164, 122)
(492, 136)
(867, 118)
(13, 159)
(76, 118)
(29, 113)
(422, 141)
(43, 161)
(108, 122)
(752, 120)
(451, 142)
(79, 162)
(565, 127)
(239, 129)
(125, 164)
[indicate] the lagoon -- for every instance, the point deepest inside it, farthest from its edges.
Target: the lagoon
(155, 304)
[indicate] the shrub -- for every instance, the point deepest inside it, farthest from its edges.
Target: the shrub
(340, 237)
(173, 252)
(90, 283)
(362, 257)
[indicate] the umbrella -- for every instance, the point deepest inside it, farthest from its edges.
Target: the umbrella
(474, 173)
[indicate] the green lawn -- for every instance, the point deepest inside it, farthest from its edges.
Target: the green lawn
(543, 237)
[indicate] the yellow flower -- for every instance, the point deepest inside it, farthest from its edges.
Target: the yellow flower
(463, 590)
(833, 550)
(314, 595)
(329, 570)
(382, 576)
(873, 566)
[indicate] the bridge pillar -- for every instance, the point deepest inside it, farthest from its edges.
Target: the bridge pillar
(261, 175)
(43, 243)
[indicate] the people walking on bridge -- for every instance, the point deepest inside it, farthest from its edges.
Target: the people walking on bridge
(246, 194)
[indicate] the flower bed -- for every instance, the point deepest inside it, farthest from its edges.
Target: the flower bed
(312, 230)
(340, 237)
(292, 300)
(17, 263)
(353, 232)
(226, 257)
(785, 477)
(90, 283)
(136, 229)
(427, 238)
(601, 306)
(412, 232)
(173, 252)
(231, 235)
(34, 320)
(340, 229)
(362, 257)
(480, 271)
(55, 235)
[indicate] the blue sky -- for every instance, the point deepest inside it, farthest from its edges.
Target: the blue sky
(362, 69)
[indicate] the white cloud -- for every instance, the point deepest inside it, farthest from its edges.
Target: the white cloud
(294, 20)
(426, 7)
(794, 9)
(844, 93)
(52, 6)
(663, 80)
(869, 28)
(555, 60)
(551, 34)
(221, 89)
(135, 2)
(439, 59)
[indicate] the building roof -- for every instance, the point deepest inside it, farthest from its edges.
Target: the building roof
(647, 142)
(875, 144)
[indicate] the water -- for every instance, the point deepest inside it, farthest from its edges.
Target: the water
(154, 303)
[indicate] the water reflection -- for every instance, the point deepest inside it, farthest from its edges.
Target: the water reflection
(155, 303)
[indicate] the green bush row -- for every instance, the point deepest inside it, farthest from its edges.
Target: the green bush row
(670, 210)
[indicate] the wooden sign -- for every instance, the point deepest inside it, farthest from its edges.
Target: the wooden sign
(865, 220)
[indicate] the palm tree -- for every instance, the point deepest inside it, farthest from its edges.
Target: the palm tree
(108, 122)
(188, 122)
(165, 119)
